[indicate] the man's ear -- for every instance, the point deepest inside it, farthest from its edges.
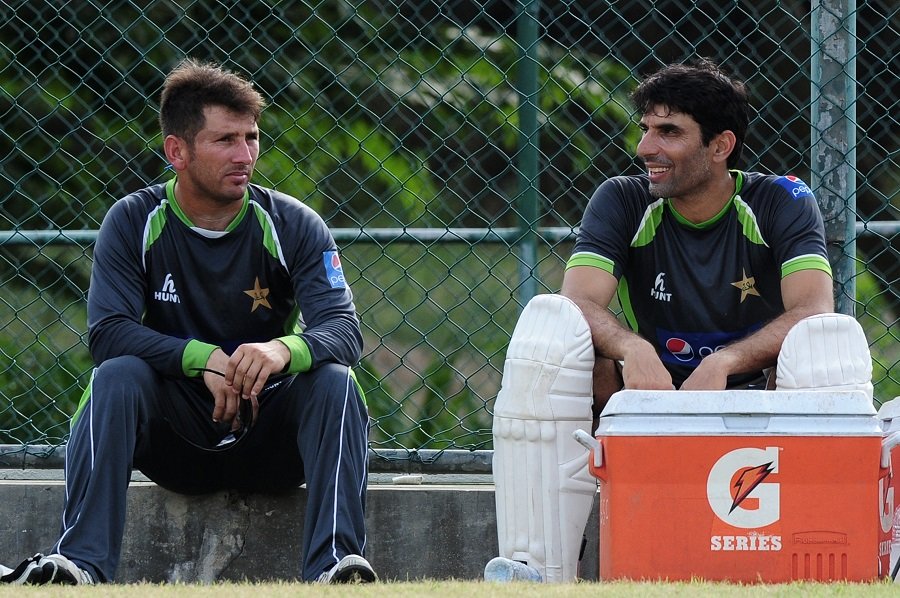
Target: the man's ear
(722, 145)
(176, 152)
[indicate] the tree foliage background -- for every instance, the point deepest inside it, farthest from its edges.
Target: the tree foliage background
(408, 126)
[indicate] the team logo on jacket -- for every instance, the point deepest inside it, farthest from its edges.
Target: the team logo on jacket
(167, 293)
(747, 285)
(659, 290)
(334, 271)
(259, 295)
(796, 187)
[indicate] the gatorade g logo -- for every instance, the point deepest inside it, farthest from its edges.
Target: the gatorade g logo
(737, 490)
(886, 492)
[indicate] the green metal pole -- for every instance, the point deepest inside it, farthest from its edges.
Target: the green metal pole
(529, 144)
(833, 136)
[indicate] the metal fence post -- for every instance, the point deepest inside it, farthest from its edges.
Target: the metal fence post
(528, 154)
(833, 137)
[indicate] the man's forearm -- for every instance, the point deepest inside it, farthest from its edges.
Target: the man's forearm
(611, 339)
(760, 349)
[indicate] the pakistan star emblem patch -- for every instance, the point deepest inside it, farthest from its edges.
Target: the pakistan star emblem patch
(747, 285)
(259, 296)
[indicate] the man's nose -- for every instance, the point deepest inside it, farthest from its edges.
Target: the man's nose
(646, 146)
(242, 153)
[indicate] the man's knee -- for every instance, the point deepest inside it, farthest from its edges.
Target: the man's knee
(331, 385)
(122, 377)
(826, 351)
(126, 369)
(115, 393)
(548, 365)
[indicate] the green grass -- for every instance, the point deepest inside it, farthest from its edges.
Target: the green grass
(461, 589)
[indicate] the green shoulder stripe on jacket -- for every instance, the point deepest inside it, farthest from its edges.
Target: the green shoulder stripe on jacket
(649, 223)
(156, 222)
(270, 237)
(747, 218)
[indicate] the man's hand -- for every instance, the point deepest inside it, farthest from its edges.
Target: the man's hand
(804, 293)
(225, 397)
(251, 365)
(246, 372)
(712, 373)
(705, 377)
(643, 370)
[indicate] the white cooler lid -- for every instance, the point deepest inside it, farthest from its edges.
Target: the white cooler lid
(740, 413)
(740, 402)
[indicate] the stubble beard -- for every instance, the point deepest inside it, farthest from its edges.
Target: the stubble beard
(218, 195)
(700, 173)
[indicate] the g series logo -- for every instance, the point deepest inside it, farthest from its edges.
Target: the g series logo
(737, 477)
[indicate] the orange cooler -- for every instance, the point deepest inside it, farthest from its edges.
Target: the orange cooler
(889, 414)
(744, 486)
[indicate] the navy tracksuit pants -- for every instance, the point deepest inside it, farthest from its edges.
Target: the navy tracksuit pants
(311, 427)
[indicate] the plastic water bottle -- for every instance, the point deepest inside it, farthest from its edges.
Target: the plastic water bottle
(501, 569)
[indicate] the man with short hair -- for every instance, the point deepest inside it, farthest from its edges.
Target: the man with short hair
(712, 267)
(207, 378)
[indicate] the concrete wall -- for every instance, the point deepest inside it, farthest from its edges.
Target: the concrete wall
(437, 531)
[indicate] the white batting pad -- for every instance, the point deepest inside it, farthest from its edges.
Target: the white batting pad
(826, 351)
(543, 490)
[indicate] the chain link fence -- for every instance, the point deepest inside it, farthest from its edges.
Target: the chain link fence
(451, 146)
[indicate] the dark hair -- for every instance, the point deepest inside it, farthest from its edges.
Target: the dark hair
(192, 86)
(703, 92)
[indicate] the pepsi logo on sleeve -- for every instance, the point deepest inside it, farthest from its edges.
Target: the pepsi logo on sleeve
(334, 271)
(795, 186)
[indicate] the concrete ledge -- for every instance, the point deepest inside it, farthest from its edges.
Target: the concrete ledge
(437, 531)
(383, 460)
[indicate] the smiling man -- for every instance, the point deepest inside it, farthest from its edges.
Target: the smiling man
(206, 377)
(712, 267)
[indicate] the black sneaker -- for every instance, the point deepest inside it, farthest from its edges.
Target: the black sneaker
(20, 574)
(57, 569)
(350, 569)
